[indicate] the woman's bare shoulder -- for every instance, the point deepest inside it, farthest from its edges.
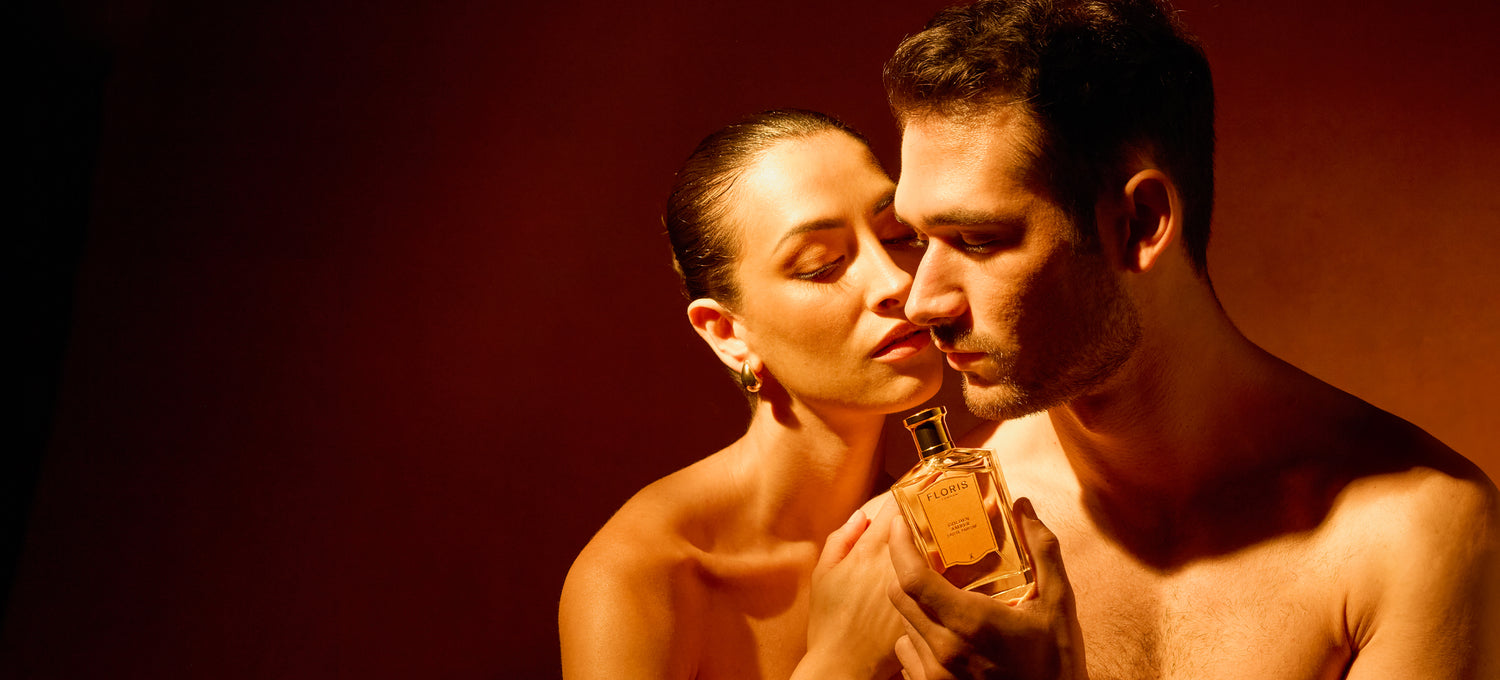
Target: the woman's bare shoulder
(657, 528)
(644, 565)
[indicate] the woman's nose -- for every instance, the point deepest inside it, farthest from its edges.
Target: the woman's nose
(889, 285)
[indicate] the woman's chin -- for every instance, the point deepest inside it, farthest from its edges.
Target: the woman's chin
(908, 392)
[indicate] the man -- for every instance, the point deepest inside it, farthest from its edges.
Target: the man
(1220, 513)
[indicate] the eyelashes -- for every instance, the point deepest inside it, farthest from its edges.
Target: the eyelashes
(912, 241)
(821, 273)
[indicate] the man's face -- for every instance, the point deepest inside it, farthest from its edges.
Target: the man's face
(1030, 319)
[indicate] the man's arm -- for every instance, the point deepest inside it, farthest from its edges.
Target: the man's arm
(1427, 602)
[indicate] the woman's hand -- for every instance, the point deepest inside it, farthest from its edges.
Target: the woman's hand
(852, 627)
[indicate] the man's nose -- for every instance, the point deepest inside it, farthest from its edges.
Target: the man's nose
(936, 295)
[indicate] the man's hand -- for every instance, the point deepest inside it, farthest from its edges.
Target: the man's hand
(851, 626)
(952, 633)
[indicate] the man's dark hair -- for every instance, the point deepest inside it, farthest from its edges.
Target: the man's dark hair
(1100, 79)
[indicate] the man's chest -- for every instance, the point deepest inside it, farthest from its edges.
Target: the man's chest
(1267, 611)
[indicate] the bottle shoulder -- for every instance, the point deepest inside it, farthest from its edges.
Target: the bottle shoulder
(965, 459)
(956, 460)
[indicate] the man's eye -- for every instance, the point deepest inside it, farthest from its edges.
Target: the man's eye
(984, 243)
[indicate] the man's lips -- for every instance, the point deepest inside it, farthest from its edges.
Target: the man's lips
(960, 360)
(957, 358)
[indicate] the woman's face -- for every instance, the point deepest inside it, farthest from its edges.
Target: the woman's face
(824, 272)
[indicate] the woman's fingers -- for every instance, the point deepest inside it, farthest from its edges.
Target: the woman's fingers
(841, 541)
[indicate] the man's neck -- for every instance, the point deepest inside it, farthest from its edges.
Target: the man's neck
(1173, 454)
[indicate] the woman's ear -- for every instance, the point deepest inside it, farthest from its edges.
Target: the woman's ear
(1152, 219)
(723, 333)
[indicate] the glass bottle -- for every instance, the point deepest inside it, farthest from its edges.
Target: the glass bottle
(959, 512)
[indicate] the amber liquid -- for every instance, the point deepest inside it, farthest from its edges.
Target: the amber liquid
(955, 542)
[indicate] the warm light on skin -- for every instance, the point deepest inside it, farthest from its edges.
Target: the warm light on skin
(1028, 317)
(824, 272)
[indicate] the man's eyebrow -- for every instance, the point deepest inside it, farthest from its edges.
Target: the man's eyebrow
(965, 217)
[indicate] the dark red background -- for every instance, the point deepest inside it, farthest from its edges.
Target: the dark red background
(373, 325)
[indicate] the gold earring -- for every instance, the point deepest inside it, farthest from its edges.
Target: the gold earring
(748, 379)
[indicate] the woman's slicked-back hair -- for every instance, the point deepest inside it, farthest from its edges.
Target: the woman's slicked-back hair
(704, 246)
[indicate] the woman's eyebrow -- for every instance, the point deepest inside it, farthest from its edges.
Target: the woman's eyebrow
(822, 224)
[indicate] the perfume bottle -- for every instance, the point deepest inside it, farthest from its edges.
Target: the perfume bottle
(958, 508)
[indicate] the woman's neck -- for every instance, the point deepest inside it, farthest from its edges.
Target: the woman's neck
(806, 471)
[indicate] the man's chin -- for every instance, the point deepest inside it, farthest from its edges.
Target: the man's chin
(997, 400)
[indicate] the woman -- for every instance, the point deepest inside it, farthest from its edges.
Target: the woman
(797, 271)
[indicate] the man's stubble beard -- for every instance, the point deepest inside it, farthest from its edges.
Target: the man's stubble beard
(1095, 352)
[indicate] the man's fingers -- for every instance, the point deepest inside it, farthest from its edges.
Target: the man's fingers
(904, 556)
(909, 566)
(1046, 553)
(917, 658)
(842, 540)
(923, 597)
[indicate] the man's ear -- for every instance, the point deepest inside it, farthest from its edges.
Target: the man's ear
(723, 333)
(1148, 223)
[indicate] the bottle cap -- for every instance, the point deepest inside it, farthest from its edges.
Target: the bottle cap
(930, 431)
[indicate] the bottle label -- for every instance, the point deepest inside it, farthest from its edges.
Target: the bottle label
(960, 526)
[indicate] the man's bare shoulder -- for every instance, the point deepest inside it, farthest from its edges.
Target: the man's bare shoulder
(1435, 506)
(1394, 467)
(1417, 530)
(1390, 483)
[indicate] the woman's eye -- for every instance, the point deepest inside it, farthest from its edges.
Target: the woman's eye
(820, 273)
(912, 240)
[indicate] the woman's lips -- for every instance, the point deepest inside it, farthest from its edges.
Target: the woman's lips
(904, 347)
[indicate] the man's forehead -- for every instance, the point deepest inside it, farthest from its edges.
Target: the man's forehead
(999, 130)
(946, 157)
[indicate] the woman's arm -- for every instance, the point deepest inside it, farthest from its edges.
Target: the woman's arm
(852, 627)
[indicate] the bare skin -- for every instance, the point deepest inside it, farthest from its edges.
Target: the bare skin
(1319, 564)
(1210, 511)
(757, 561)
(701, 576)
